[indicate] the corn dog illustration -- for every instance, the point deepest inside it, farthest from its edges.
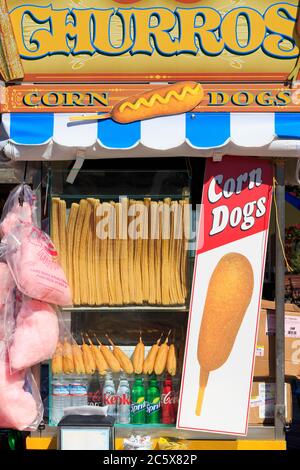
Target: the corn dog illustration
(181, 97)
(228, 297)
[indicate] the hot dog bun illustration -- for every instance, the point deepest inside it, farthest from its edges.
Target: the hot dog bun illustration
(228, 296)
(178, 98)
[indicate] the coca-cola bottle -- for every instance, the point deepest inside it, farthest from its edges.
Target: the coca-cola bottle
(168, 415)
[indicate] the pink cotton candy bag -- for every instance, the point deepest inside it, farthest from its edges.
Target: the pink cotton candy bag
(34, 263)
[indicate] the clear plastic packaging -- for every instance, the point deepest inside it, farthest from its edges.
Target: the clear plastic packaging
(21, 405)
(7, 286)
(137, 442)
(34, 264)
(19, 207)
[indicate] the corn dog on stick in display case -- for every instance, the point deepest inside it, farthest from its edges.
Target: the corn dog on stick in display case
(100, 362)
(223, 314)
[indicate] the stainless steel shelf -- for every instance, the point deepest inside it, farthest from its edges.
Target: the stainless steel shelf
(119, 309)
(254, 433)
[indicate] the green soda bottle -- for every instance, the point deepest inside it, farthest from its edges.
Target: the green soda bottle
(138, 404)
(153, 402)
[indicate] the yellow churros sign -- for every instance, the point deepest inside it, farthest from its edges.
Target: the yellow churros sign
(162, 39)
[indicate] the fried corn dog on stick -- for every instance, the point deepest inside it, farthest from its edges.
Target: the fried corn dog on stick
(124, 251)
(62, 222)
(223, 306)
(70, 242)
(162, 357)
(148, 366)
(122, 358)
(57, 360)
(55, 223)
(68, 360)
(101, 364)
(138, 356)
(77, 248)
(145, 250)
(153, 235)
(78, 359)
(111, 360)
(88, 357)
(172, 360)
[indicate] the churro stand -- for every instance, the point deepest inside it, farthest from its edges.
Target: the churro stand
(109, 186)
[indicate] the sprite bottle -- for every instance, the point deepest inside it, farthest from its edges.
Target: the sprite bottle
(138, 404)
(153, 402)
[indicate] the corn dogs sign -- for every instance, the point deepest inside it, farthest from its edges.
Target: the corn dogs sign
(131, 40)
(226, 296)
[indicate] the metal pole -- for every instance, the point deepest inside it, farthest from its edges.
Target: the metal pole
(279, 298)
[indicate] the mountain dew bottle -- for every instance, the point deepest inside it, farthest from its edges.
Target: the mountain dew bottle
(138, 403)
(153, 402)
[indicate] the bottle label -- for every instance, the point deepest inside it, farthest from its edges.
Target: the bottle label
(153, 407)
(124, 399)
(59, 390)
(78, 390)
(140, 405)
(110, 398)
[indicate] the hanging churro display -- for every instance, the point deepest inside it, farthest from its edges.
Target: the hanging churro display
(132, 252)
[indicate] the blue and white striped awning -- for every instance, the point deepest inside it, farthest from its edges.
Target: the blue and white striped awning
(50, 136)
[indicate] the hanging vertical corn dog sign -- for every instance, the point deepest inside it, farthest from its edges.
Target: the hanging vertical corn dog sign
(226, 294)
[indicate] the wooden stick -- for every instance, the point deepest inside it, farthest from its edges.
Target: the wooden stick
(95, 117)
(70, 242)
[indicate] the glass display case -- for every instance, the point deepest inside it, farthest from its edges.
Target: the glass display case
(124, 240)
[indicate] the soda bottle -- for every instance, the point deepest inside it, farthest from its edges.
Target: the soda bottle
(109, 395)
(167, 403)
(138, 404)
(153, 402)
(123, 401)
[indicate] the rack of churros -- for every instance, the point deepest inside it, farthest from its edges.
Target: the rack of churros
(123, 252)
